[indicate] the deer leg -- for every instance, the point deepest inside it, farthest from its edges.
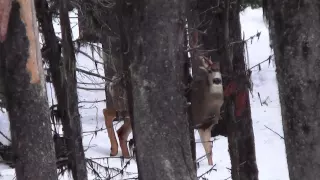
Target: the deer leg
(123, 134)
(205, 135)
(109, 115)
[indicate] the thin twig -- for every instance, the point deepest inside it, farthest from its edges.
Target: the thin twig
(274, 132)
(5, 136)
(211, 169)
(93, 74)
(91, 89)
(97, 101)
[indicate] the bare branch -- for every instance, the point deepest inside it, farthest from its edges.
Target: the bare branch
(274, 132)
(88, 56)
(91, 89)
(5, 136)
(93, 74)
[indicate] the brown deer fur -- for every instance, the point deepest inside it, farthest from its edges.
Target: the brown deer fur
(206, 100)
(118, 109)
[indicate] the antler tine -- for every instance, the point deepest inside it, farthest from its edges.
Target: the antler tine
(208, 60)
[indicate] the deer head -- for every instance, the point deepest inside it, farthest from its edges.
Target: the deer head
(213, 74)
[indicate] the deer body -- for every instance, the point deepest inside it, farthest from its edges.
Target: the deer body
(118, 108)
(206, 100)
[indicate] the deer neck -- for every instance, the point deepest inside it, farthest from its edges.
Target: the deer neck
(215, 89)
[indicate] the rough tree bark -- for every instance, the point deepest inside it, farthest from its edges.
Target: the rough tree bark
(294, 26)
(64, 83)
(157, 70)
(112, 62)
(2, 84)
(27, 104)
(244, 136)
(70, 113)
(187, 82)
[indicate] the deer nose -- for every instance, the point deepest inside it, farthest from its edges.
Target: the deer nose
(216, 81)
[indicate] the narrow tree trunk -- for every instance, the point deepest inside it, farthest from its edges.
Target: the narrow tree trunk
(222, 26)
(187, 82)
(160, 125)
(244, 139)
(51, 50)
(230, 106)
(296, 40)
(71, 117)
(2, 84)
(112, 61)
(27, 105)
(107, 65)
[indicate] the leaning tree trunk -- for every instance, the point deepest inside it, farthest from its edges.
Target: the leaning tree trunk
(27, 104)
(296, 40)
(160, 124)
(70, 114)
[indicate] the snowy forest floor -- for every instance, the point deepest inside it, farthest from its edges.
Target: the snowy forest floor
(270, 150)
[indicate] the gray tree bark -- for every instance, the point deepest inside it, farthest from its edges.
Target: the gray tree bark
(160, 124)
(295, 36)
(26, 98)
(70, 113)
(2, 84)
(244, 137)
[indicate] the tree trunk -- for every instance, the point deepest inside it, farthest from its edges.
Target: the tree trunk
(223, 26)
(244, 136)
(112, 62)
(27, 104)
(296, 40)
(157, 70)
(71, 118)
(187, 82)
(2, 84)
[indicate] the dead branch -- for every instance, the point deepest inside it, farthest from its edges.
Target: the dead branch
(274, 132)
(97, 101)
(91, 89)
(5, 136)
(93, 74)
(88, 56)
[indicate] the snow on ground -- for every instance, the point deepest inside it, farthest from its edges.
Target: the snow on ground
(270, 150)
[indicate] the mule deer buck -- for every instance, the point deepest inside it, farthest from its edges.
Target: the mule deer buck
(206, 100)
